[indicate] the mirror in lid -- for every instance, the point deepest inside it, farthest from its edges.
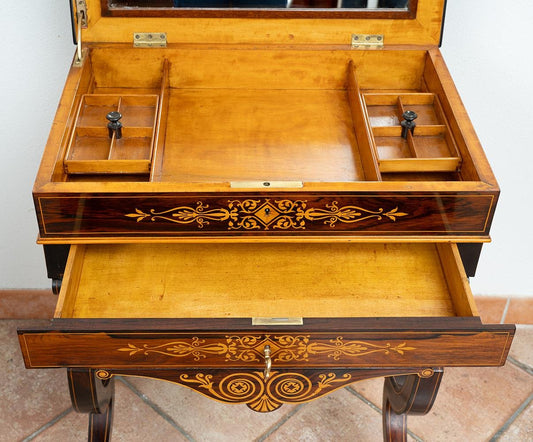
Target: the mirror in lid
(283, 8)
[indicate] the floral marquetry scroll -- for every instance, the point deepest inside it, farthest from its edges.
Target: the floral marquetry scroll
(264, 214)
(250, 349)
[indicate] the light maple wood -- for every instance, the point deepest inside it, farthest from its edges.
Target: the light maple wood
(430, 148)
(79, 81)
(424, 29)
(361, 124)
(321, 71)
(298, 135)
(437, 78)
(263, 280)
(268, 68)
(91, 151)
(457, 281)
(161, 123)
(71, 278)
(418, 165)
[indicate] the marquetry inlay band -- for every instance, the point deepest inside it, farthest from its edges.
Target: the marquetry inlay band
(250, 349)
(252, 214)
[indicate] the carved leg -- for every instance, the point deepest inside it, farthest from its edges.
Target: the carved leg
(403, 395)
(94, 396)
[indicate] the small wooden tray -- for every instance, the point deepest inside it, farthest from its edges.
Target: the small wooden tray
(92, 151)
(430, 148)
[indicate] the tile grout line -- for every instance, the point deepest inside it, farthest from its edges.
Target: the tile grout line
(156, 408)
(364, 399)
(511, 420)
(505, 310)
(378, 409)
(528, 369)
(48, 425)
(279, 423)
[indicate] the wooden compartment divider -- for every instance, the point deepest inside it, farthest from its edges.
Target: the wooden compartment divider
(431, 148)
(161, 124)
(90, 149)
(367, 148)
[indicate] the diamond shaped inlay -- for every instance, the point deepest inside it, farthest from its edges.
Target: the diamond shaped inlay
(267, 213)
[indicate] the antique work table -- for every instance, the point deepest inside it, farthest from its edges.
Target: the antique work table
(262, 206)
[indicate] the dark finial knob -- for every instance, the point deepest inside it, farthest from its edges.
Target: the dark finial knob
(408, 123)
(114, 126)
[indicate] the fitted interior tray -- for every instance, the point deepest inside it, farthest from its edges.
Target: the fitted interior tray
(283, 115)
(264, 280)
(95, 149)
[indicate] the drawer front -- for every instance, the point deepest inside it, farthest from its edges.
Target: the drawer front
(419, 346)
(241, 215)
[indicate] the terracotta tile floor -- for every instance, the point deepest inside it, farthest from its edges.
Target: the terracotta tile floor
(474, 404)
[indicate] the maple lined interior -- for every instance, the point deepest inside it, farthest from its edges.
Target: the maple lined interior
(264, 280)
(297, 116)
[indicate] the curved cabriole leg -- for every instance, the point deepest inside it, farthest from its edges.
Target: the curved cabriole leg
(409, 394)
(100, 424)
(94, 396)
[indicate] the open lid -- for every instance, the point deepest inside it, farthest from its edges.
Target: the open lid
(295, 22)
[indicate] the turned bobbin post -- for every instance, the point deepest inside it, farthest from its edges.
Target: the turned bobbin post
(114, 126)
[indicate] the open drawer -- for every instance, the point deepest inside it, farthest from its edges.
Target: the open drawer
(379, 305)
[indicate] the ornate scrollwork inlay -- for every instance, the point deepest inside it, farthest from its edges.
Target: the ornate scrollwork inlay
(349, 214)
(243, 348)
(195, 347)
(262, 394)
(183, 215)
(284, 348)
(250, 348)
(257, 214)
(338, 347)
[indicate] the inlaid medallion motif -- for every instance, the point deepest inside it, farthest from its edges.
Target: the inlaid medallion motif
(262, 394)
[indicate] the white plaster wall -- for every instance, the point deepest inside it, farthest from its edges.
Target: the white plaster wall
(486, 45)
(35, 49)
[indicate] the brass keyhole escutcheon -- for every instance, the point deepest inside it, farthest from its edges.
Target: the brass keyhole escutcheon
(268, 362)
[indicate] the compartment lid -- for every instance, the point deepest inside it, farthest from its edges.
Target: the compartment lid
(419, 22)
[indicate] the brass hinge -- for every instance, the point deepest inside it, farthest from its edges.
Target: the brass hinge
(367, 41)
(150, 40)
(81, 10)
